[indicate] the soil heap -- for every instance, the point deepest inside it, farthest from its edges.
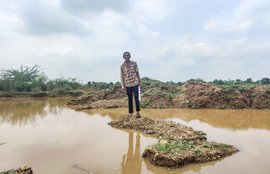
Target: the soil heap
(192, 94)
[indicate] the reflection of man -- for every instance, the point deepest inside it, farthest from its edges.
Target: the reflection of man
(131, 163)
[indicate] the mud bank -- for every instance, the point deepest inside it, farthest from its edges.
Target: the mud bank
(192, 94)
(178, 144)
(40, 94)
(21, 170)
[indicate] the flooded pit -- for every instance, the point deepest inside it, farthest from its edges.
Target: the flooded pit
(52, 138)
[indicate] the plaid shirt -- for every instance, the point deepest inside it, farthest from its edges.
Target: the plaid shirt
(129, 72)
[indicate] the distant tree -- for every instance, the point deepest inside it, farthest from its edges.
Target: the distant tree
(265, 80)
(99, 85)
(117, 84)
(218, 82)
(63, 84)
(249, 80)
(238, 81)
(179, 83)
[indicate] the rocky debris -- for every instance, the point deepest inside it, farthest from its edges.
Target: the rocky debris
(178, 144)
(20, 170)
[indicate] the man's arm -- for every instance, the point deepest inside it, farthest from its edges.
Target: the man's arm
(122, 78)
(138, 74)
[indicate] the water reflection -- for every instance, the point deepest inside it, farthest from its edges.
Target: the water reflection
(23, 111)
(131, 162)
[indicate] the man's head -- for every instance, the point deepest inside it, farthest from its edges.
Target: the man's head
(126, 55)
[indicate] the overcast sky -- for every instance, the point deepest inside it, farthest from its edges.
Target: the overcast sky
(171, 40)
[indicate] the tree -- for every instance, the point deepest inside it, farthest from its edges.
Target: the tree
(265, 80)
(249, 80)
(23, 79)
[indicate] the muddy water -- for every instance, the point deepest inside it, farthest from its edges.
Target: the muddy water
(55, 139)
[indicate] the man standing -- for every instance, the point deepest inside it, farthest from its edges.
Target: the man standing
(130, 79)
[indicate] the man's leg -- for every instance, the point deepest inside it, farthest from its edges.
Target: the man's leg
(136, 95)
(130, 100)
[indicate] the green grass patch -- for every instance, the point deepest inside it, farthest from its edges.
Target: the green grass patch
(173, 147)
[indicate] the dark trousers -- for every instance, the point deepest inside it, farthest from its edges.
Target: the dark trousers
(130, 91)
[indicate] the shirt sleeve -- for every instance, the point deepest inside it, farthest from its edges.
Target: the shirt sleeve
(137, 72)
(136, 68)
(122, 77)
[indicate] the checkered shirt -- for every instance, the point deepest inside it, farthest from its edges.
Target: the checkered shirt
(129, 72)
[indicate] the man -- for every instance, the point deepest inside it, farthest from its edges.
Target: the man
(130, 79)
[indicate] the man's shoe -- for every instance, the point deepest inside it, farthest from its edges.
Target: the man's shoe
(130, 114)
(138, 115)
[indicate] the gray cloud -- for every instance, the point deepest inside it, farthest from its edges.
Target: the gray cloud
(40, 18)
(94, 5)
(111, 27)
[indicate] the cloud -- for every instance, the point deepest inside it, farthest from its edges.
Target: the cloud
(86, 39)
(86, 6)
(47, 18)
(248, 16)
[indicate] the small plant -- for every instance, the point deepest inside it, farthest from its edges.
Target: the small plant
(197, 152)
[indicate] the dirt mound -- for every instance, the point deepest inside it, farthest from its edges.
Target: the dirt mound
(261, 97)
(179, 153)
(206, 95)
(193, 94)
(114, 93)
(178, 144)
(107, 104)
(159, 128)
(157, 97)
(196, 95)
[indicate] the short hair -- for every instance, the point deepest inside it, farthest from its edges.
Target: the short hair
(126, 53)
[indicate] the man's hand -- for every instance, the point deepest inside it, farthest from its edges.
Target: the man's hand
(123, 88)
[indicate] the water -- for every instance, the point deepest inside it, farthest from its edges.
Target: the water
(52, 138)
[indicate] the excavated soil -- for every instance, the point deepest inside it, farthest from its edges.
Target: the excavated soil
(178, 144)
(192, 94)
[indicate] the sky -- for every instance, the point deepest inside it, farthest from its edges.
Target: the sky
(171, 40)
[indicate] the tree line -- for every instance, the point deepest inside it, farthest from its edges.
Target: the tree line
(263, 81)
(26, 79)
